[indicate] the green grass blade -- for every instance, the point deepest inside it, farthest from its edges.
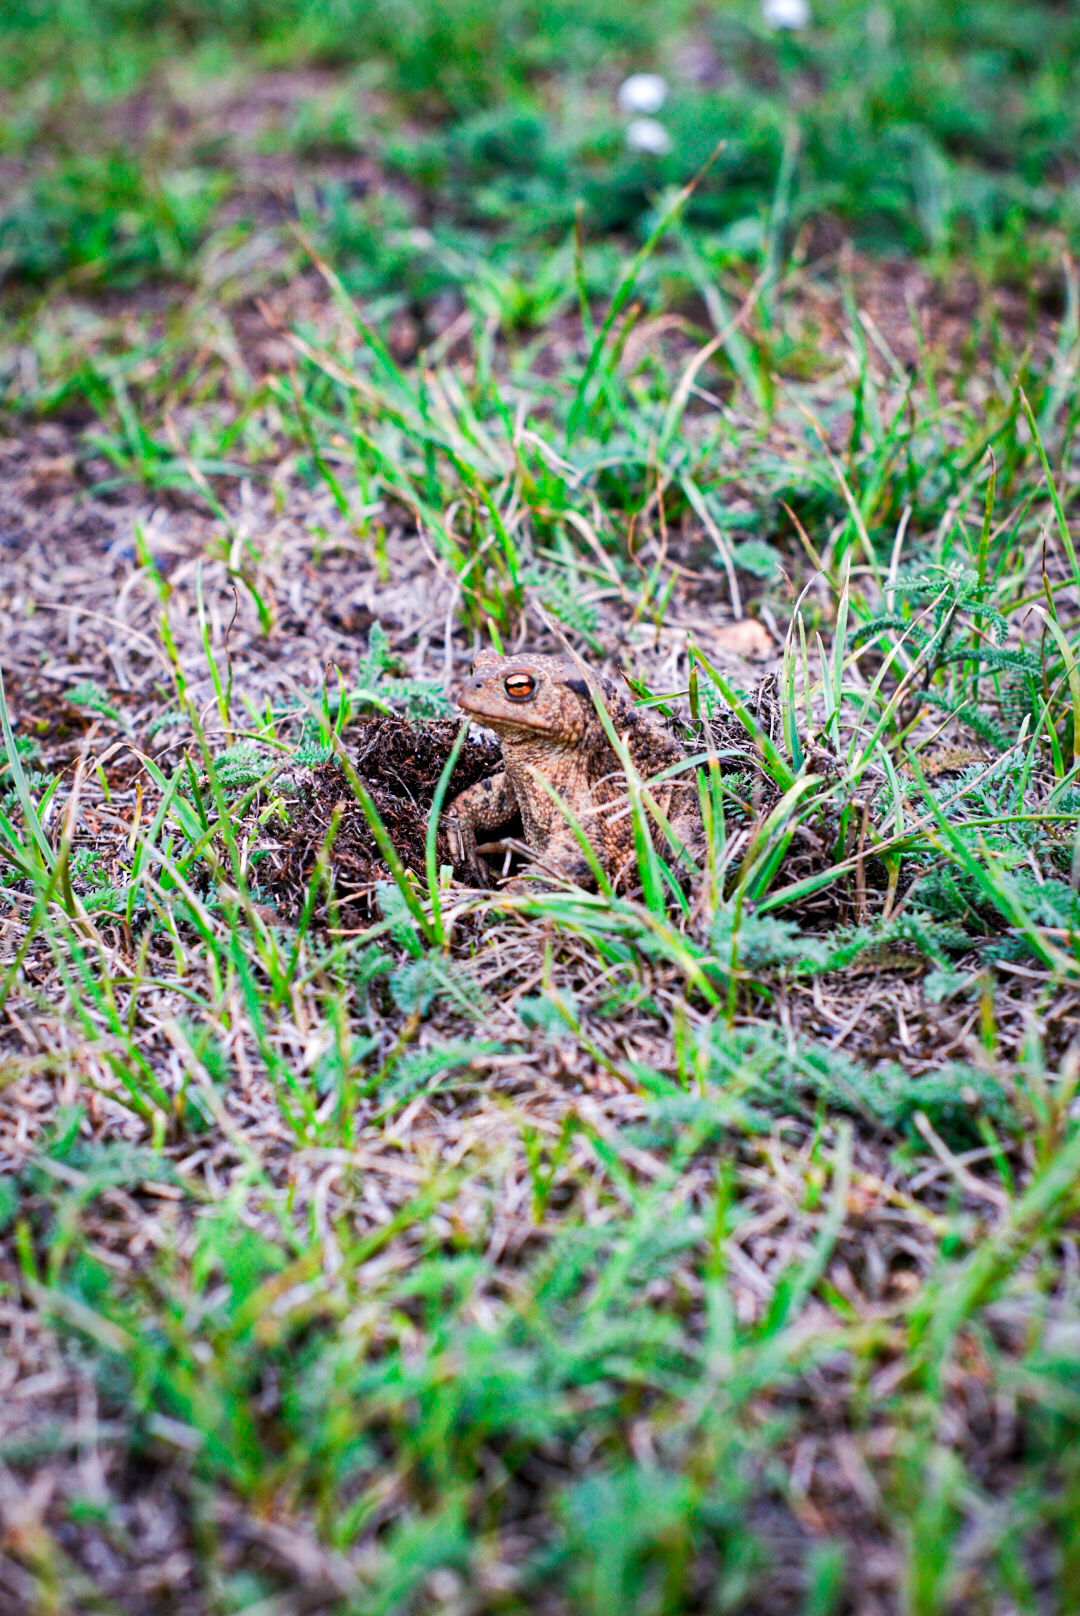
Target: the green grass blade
(432, 833)
(22, 790)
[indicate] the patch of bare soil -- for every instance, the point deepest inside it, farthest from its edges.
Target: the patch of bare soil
(912, 320)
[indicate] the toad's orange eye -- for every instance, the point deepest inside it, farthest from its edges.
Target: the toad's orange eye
(519, 686)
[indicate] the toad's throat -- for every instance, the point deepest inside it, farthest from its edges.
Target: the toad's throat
(547, 781)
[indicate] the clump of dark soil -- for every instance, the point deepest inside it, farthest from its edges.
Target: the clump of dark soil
(400, 765)
(407, 759)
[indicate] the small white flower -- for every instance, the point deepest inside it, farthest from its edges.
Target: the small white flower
(646, 135)
(642, 92)
(786, 13)
(879, 25)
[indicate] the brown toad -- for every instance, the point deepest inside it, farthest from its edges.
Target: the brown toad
(542, 710)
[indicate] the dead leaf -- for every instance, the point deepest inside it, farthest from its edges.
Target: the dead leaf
(747, 638)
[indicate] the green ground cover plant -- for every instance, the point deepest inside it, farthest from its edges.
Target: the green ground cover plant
(706, 1241)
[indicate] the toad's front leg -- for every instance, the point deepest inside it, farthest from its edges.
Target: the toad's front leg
(486, 806)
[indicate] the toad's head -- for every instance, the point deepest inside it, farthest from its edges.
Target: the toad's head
(528, 697)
